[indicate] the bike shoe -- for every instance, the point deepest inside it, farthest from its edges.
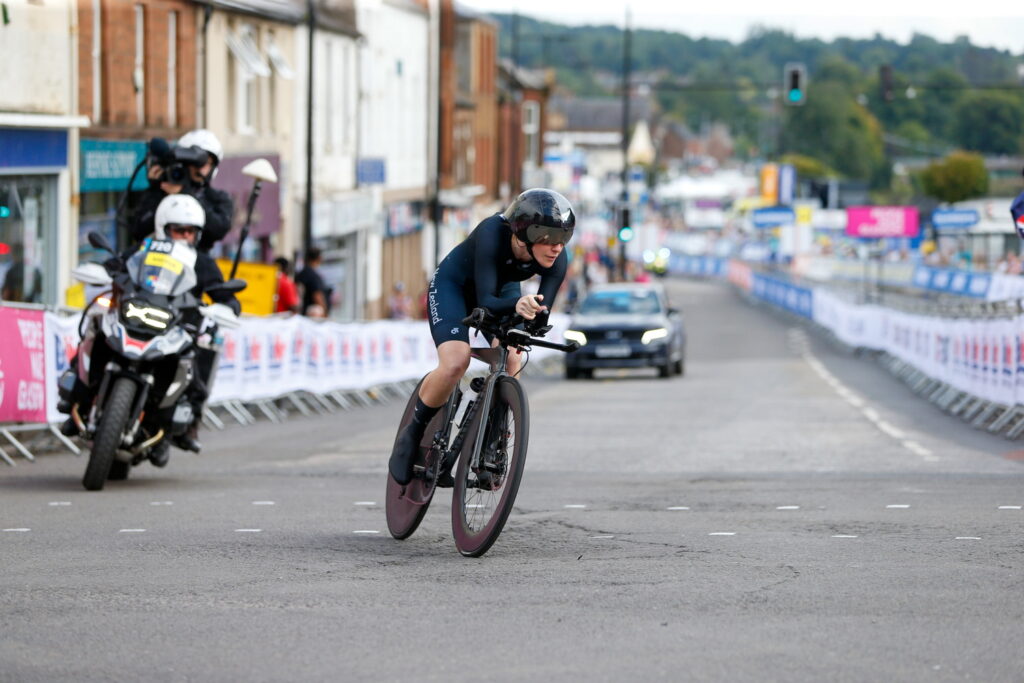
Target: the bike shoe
(160, 454)
(403, 457)
(187, 443)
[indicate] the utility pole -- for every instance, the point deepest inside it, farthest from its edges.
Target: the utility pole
(624, 198)
(436, 210)
(307, 224)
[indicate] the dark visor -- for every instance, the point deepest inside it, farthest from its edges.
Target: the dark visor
(539, 234)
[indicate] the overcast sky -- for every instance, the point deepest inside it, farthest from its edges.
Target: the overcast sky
(988, 23)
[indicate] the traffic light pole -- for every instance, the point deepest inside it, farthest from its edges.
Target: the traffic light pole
(623, 212)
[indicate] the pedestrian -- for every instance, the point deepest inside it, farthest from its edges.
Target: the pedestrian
(286, 298)
(399, 303)
(315, 293)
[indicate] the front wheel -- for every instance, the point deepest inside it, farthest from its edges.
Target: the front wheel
(485, 493)
(108, 434)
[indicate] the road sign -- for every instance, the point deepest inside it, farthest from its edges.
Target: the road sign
(773, 216)
(955, 218)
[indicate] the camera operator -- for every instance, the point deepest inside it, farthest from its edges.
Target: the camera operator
(185, 168)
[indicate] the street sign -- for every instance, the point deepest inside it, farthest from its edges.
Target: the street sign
(955, 218)
(773, 216)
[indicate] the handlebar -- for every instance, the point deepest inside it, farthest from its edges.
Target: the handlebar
(506, 331)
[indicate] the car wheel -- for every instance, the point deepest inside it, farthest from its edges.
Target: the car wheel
(586, 373)
(572, 373)
(680, 366)
(666, 369)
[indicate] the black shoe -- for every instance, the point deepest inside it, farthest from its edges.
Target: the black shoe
(64, 406)
(187, 443)
(69, 428)
(403, 457)
(161, 454)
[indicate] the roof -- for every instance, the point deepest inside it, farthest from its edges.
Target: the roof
(333, 15)
(599, 113)
(526, 78)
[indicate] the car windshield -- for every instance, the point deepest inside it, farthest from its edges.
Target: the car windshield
(622, 302)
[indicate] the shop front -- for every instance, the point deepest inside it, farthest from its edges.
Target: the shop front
(264, 232)
(402, 264)
(341, 227)
(106, 167)
(33, 179)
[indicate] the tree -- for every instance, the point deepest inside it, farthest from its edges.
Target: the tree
(990, 122)
(959, 176)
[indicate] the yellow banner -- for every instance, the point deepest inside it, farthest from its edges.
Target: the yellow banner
(770, 184)
(258, 297)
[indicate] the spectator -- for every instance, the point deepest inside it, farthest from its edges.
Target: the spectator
(399, 303)
(18, 287)
(286, 300)
(314, 291)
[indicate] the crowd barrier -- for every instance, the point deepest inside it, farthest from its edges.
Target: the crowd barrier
(970, 365)
(312, 366)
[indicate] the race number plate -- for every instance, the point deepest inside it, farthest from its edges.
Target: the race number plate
(612, 351)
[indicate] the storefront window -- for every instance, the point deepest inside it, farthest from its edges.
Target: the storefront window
(28, 226)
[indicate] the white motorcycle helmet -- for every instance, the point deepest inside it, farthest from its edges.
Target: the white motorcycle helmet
(179, 209)
(206, 141)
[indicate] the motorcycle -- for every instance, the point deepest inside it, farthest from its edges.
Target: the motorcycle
(136, 357)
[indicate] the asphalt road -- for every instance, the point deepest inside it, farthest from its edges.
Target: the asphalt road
(783, 512)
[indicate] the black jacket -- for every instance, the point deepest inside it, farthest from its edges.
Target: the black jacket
(218, 205)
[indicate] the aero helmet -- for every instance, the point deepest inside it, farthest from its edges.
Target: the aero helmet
(179, 209)
(541, 216)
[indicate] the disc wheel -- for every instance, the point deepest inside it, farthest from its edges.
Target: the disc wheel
(406, 505)
(484, 496)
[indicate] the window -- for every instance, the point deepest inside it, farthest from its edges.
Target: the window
(139, 74)
(27, 227)
(531, 132)
(97, 63)
(172, 68)
(247, 66)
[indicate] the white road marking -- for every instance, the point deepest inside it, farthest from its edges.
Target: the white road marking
(162, 502)
(788, 507)
(474, 506)
(870, 413)
(263, 502)
(574, 507)
(722, 533)
(248, 531)
(844, 536)
(59, 503)
(1009, 507)
(365, 503)
(897, 507)
(18, 530)
(600, 537)
(131, 531)
(678, 507)
(967, 538)
(366, 531)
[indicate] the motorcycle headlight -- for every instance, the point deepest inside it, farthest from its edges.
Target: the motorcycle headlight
(652, 335)
(576, 336)
(151, 316)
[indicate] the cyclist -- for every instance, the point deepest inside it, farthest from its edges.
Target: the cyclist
(486, 270)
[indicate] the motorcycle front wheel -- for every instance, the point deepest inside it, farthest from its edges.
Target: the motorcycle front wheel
(108, 434)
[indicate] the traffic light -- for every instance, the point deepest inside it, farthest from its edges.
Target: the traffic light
(794, 87)
(5, 211)
(885, 82)
(625, 230)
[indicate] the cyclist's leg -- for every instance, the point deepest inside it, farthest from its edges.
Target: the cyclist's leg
(447, 309)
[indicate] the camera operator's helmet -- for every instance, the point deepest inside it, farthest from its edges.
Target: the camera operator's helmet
(206, 141)
(179, 209)
(541, 216)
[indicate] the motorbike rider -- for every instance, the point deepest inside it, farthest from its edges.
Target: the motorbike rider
(180, 217)
(486, 270)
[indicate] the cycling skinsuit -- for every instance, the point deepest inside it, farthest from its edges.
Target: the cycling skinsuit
(483, 271)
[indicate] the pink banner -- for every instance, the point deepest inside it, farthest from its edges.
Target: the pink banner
(882, 221)
(22, 366)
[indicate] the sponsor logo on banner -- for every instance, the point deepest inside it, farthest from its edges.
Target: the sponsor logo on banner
(253, 348)
(346, 352)
(22, 366)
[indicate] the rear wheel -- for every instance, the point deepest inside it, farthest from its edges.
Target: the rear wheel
(680, 365)
(406, 505)
(108, 434)
(484, 495)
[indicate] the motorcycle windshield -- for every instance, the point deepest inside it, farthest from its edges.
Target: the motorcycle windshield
(164, 267)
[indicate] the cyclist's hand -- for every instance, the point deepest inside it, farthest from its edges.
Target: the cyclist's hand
(529, 306)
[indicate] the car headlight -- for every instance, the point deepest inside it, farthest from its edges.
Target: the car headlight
(150, 316)
(576, 336)
(651, 335)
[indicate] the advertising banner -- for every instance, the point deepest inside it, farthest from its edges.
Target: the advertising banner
(874, 222)
(22, 366)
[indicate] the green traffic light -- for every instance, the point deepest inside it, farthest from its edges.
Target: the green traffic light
(5, 212)
(796, 95)
(625, 233)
